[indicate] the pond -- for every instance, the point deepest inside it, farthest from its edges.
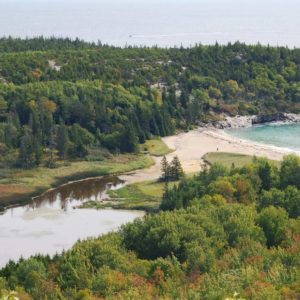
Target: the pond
(52, 222)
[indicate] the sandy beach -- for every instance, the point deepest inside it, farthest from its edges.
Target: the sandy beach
(191, 146)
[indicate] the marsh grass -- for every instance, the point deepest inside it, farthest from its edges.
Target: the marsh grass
(141, 196)
(17, 185)
(156, 147)
(228, 159)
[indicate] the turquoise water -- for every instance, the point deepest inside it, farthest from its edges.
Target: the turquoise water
(156, 22)
(280, 135)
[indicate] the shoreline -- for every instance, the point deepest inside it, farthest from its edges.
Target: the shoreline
(54, 178)
(190, 147)
(221, 134)
(252, 120)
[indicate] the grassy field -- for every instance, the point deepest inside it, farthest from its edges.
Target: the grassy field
(145, 196)
(156, 147)
(18, 185)
(227, 159)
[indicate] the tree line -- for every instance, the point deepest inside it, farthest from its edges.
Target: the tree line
(261, 184)
(73, 120)
(115, 98)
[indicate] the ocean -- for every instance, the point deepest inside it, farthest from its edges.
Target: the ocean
(281, 135)
(165, 23)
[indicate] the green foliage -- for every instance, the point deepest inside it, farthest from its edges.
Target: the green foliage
(226, 233)
(30, 275)
(124, 96)
(80, 115)
(30, 150)
(171, 171)
(290, 171)
(289, 199)
(167, 233)
(81, 138)
(274, 222)
(264, 173)
(176, 170)
(62, 140)
(258, 182)
(224, 237)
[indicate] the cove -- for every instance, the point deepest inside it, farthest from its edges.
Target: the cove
(282, 135)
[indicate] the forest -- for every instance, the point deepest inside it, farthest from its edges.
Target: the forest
(63, 99)
(226, 233)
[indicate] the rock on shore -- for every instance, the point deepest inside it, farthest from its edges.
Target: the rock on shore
(248, 121)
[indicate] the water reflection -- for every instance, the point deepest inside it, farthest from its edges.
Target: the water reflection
(71, 194)
(49, 224)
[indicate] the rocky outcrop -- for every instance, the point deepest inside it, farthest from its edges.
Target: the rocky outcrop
(53, 65)
(260, 119)
(234, 122)
(248, 121)
(294, 118)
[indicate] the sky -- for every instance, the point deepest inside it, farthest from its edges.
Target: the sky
(151, 22)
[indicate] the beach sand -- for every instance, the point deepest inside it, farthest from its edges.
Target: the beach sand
(191, 146)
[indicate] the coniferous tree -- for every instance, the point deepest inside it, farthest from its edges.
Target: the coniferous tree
(38, 151)
(62, 140)
(3, 109)
(29, 155)
(36, 127)
(264, 172)
(52, 146)
(184, 98)
(10, 134)
(165, 203)
(129, 142)
(165, 169)
(176, 169)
